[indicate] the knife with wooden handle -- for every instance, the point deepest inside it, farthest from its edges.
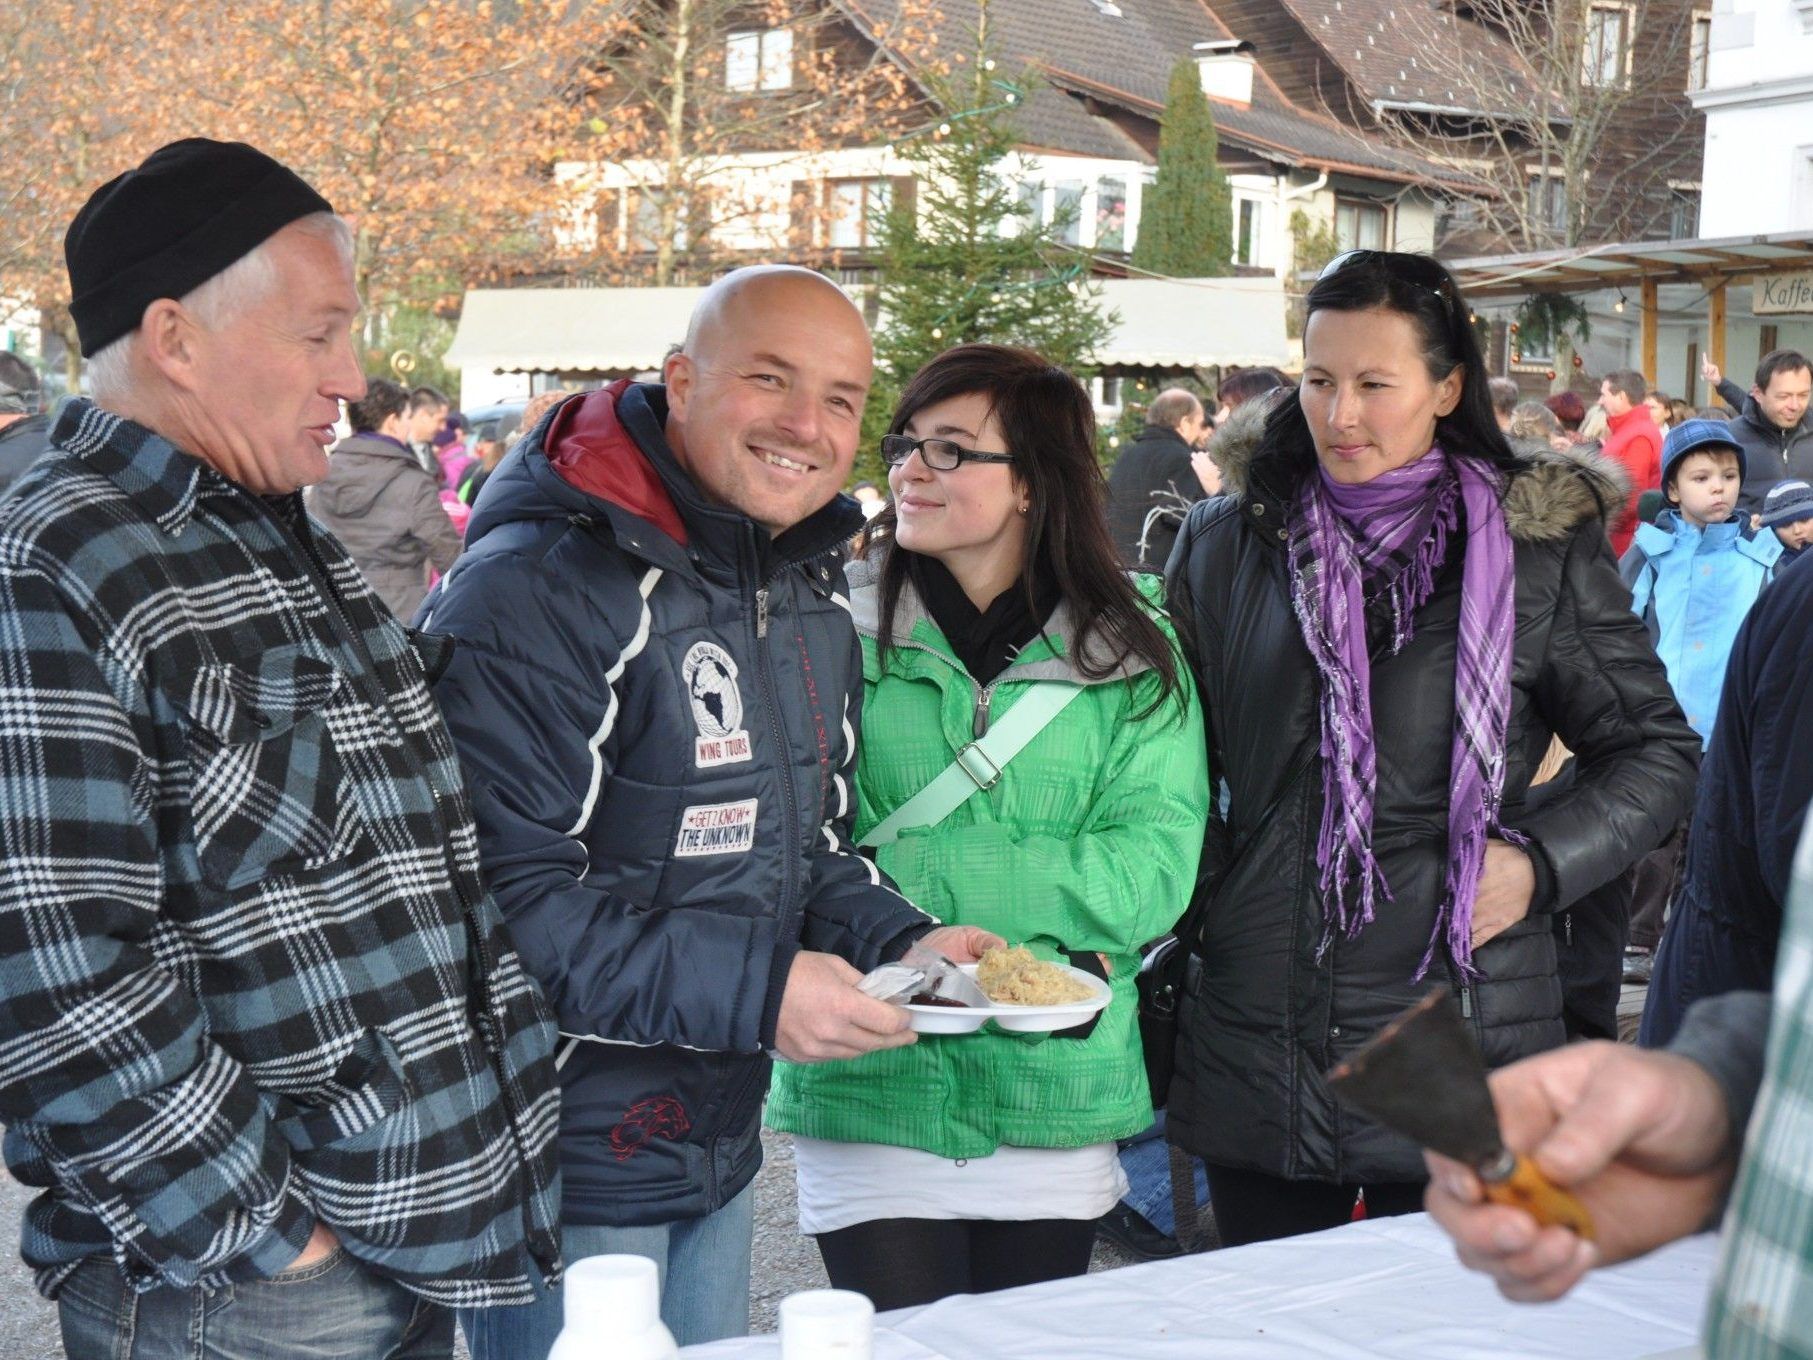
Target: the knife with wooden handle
(1423, 1076)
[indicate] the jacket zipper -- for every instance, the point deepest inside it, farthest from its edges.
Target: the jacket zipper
(789, 797)
(984, 697)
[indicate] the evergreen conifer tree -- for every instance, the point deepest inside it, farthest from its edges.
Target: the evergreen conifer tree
(965, 264)
(1186, 223)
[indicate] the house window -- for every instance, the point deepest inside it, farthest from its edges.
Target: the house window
(1683, 214)
(1029, 203)
(641, 209)
(1548, 202)
(759, 59)
(1249, 232)
(1067, 210)
(1359, 226)
(851, 205)
(1606, 59)
(1699, 52)
(1111, 214)
(644, 221)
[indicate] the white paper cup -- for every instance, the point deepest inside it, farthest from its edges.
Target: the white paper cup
(827, 1324)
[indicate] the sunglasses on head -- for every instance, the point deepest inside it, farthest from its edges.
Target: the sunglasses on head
(1418, 270)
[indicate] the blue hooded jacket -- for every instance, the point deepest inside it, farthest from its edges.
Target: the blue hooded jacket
(1692, 587)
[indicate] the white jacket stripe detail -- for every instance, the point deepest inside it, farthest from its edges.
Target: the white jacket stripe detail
(630, 652)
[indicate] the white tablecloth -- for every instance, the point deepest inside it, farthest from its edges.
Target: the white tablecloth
(1389, 1289)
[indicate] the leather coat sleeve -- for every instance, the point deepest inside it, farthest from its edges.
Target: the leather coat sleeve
(1603, 691)
(525, 700)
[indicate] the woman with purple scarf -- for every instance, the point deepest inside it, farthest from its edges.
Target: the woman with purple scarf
(1391, 614)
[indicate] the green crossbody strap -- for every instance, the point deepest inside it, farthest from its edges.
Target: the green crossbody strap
(978, 766)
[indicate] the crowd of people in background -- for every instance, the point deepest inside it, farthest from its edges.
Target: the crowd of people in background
(443, 875)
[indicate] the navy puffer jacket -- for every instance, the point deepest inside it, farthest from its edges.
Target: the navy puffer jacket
(655, 705)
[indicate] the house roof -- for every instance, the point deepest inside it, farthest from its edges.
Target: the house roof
(1162, 323)
(1409, 53)
(1125, 59)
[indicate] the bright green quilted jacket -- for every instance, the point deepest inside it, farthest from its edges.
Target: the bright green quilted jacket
(1089, 841)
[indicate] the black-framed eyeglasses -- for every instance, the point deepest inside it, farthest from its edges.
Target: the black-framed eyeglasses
(1414, 269)
(941, 455)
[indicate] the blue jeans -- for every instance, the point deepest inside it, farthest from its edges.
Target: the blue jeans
(1147, 1161)
(704, 1268)
(335, 1309)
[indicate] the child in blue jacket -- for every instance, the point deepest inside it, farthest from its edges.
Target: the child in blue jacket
(1788, 513)
(1696, 571)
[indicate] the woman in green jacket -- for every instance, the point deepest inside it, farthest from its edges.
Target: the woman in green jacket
(968, 1163)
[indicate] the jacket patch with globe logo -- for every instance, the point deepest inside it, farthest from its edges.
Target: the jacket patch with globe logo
(717, 706)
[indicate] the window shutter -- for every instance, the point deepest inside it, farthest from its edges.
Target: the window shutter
(906, 192)
(799, 232)
(608, 211)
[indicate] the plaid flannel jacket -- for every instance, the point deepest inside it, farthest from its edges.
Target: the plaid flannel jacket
(1762, 1298)
(249, 975)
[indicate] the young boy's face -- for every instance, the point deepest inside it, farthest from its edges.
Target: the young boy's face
(1795, 534)
(1705, 486)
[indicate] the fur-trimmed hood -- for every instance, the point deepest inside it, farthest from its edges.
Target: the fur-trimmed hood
(1546, 501)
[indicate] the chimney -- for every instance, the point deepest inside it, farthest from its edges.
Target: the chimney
(1226, 67)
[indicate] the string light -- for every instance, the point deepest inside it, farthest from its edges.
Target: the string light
(1618, 306)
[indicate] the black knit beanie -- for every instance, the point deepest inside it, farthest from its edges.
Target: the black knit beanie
(192, 209)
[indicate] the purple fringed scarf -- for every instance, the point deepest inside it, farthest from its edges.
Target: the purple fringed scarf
(1389, 536)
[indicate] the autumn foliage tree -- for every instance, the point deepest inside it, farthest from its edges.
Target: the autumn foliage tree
(431, 125)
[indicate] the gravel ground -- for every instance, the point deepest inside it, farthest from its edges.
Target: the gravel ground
(784, 1261)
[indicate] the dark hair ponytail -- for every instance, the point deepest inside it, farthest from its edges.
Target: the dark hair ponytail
(1049, 427)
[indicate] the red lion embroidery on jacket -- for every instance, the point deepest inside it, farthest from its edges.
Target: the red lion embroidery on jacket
(656, 1117)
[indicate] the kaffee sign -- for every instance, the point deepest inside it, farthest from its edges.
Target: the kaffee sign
(1778, 293)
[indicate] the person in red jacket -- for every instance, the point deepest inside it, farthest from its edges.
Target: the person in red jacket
(1634, 441)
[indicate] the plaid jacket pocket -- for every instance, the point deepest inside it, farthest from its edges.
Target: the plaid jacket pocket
(268, 791)
(369, 1084)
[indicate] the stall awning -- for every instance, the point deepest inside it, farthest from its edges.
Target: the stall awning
(1631, 263)
(1164, 324)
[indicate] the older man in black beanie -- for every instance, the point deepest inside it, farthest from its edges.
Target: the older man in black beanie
(264, 1045)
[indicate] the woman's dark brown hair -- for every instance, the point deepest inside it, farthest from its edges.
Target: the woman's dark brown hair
(1049, 427)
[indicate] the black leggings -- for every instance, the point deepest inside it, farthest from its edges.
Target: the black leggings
(1253, 1207)
(899, 1262)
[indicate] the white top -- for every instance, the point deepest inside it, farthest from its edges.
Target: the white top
(843, 1184)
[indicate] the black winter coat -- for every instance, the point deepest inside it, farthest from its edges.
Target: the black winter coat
(1264, 1018)
(1771, 454)
(1150, 489)
(655, 707)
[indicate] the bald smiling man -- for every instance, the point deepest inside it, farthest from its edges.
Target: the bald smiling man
(655, 696)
